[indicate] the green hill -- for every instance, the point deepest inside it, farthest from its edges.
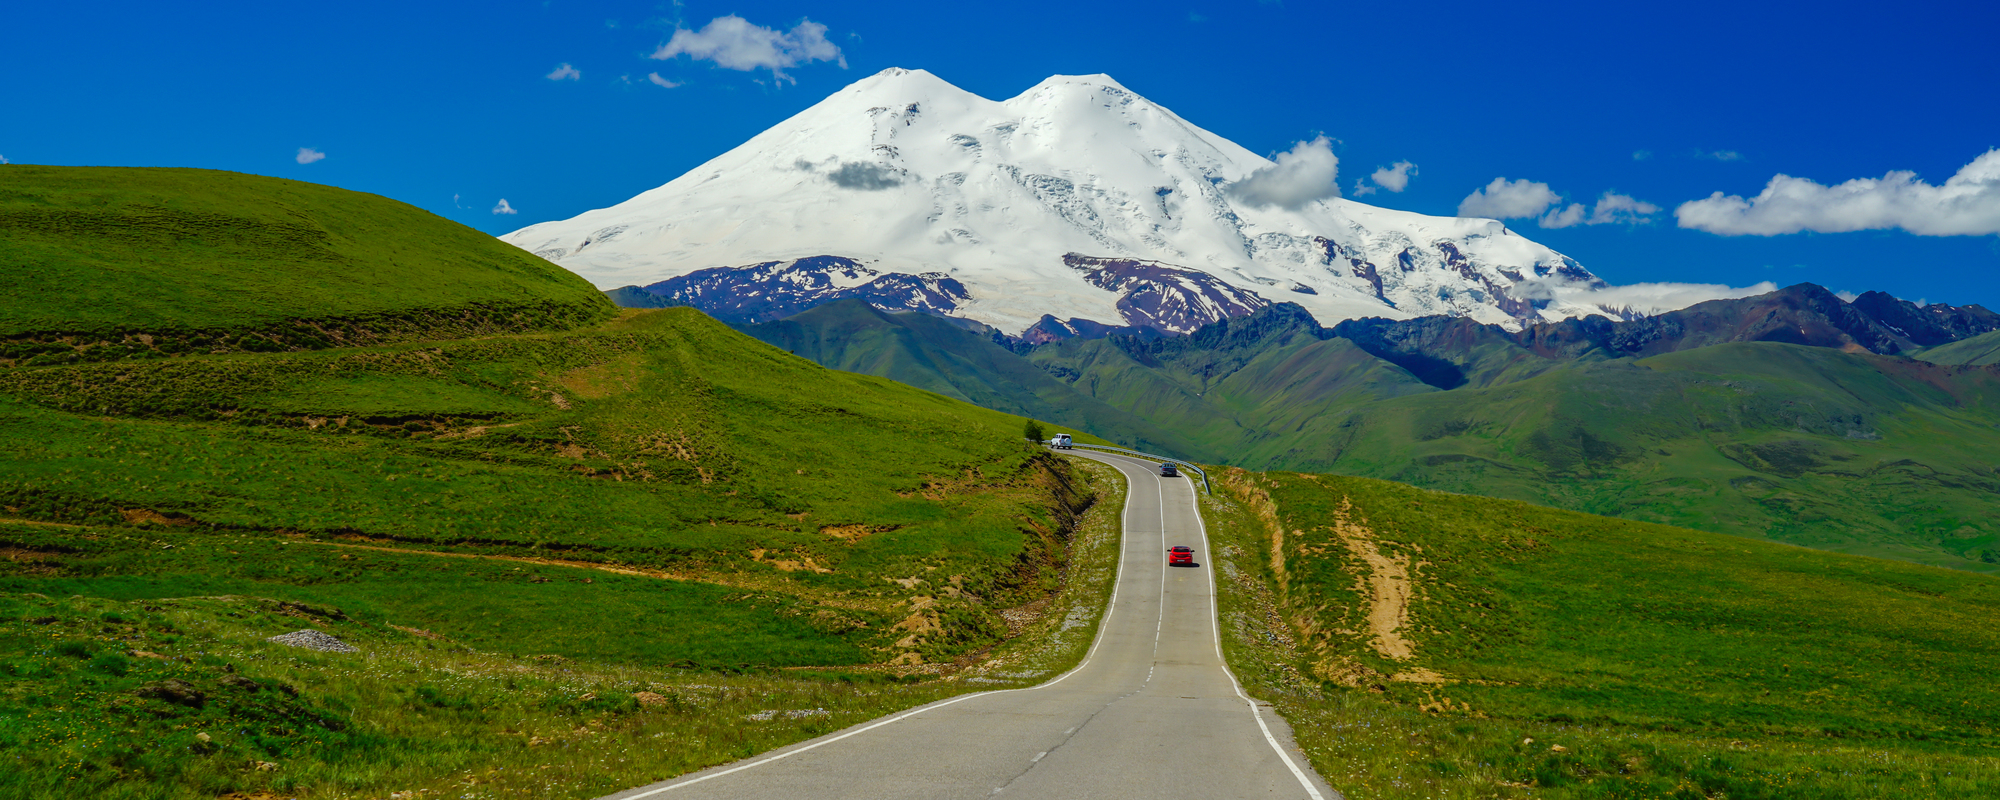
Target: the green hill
(933, 354)
(559, 532)
(662, 441)
(101, 263)
(1856, 453)
(1428, 645)
(647, 505)
(1979, 350)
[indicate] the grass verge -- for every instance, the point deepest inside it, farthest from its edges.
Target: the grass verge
(1544, 653)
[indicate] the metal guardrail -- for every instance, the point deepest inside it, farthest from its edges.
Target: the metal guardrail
(1154, 456)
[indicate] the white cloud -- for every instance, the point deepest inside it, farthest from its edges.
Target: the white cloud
(1639, 298)
(1504, 199)
(1562, 217)
(1619, 208)
(1720, 155)
(732, 42)
(1967, 204)
(1641, 155)
(1395, 177)
(3, 160)
(504, 208)
(1306, 173)
(1846, 296)
(565, 72)
(308, 155)
(1362, 189)
(655, 79)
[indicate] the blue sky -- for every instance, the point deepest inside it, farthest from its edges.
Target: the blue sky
(451, 107)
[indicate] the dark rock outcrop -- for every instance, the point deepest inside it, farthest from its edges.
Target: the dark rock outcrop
(1165, 297)
(778, 289)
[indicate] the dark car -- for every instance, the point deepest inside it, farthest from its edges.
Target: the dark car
(1167, 470)
(1177, 555)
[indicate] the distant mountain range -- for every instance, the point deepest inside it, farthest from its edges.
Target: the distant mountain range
(1794, 415)
(1077, 201)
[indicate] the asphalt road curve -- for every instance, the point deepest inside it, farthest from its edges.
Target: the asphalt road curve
(1150, 713)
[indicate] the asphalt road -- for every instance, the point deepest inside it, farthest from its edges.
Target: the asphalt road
(1150, 713)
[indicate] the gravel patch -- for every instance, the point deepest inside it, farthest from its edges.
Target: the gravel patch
(313, 640)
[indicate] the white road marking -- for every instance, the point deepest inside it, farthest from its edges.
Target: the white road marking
(1215, 624)
(1103, 624)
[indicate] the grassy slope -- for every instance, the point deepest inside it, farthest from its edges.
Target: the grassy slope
(543, 478)
(761, 512)
(100, 250)
(1854, 453)
(1979, 350)
(665, 440)
(1664, 662)
(1235, 398)
(426, 713)
(929, 353)
(1851, 452)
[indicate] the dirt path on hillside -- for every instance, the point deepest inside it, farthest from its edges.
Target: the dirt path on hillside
(1386, 585)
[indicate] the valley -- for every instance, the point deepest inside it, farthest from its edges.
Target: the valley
(1763, 417)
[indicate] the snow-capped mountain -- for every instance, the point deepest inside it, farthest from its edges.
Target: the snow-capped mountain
(1077, 199)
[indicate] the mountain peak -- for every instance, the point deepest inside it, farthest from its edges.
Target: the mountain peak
(1093, 81)
(898, 84)
(1042, 204)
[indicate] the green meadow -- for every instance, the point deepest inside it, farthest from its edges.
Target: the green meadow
(1559, 654)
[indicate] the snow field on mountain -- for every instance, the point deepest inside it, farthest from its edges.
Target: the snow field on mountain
(907, 173)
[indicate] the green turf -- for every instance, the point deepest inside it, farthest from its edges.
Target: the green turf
(1665, 662)
(102, 263)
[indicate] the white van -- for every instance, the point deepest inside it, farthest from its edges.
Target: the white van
(1061, 442)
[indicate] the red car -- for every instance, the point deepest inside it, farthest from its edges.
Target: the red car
(1177, 556)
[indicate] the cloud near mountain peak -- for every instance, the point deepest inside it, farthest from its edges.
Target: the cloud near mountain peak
(733, 42)
(1308, 172)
